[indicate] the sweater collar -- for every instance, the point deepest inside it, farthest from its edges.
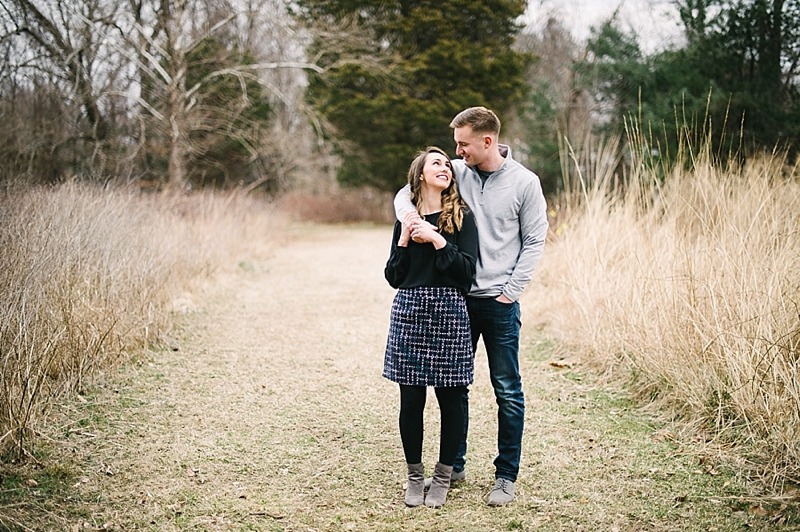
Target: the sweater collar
(505, 151)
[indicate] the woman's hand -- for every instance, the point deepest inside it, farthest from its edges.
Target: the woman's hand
(427, 233)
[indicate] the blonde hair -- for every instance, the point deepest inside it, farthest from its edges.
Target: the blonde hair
(452, 205)
(481, 119)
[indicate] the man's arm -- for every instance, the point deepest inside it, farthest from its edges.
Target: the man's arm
(402, 200)
(402, 203)
(533, 230)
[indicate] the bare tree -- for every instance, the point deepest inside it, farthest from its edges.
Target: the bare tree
(557, 109)
(54, 46)
(68, 39)
(167, 86)
(165, 38)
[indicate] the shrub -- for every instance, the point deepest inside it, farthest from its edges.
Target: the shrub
(88, 275)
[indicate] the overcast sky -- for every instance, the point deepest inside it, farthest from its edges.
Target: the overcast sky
(656, 21)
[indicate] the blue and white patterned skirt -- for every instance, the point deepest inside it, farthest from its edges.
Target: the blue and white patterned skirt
(429, 339)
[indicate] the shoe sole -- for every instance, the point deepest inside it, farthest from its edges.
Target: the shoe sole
(496, 504)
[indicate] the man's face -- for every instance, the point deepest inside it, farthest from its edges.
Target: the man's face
(470, 146)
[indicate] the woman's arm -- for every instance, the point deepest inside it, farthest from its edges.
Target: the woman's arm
(397, 266)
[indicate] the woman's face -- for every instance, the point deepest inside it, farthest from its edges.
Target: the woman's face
(437, 171)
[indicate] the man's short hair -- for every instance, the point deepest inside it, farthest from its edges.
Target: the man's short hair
(481, 119)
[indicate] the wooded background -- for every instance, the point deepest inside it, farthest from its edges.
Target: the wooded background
(274, 94)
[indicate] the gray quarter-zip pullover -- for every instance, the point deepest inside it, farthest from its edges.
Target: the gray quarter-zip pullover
(511, 217)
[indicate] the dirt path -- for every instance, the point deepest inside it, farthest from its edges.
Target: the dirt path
(272, 415)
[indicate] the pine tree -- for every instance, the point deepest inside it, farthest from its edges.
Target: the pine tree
(438, 58)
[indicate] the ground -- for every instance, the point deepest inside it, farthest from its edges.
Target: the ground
(267, 411)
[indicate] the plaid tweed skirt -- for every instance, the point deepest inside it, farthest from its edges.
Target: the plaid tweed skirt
(429, 340)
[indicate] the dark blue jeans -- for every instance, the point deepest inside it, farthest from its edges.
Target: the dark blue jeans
(499, 325)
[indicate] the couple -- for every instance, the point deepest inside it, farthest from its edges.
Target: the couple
(453, 288)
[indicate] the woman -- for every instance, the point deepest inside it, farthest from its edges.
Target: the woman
(432, 264)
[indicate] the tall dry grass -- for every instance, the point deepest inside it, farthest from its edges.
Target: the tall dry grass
(87, 275)
(689, 286)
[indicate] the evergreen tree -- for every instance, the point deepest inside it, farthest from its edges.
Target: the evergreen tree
(615, 73)
(735, 82)
(555, 107)
(438, 58)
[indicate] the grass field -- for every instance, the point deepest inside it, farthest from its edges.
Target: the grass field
(201, 362)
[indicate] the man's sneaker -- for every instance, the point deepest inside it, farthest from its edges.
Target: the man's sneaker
(502, 493)
(455, 476)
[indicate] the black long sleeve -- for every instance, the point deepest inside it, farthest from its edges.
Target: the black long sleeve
(423, 265)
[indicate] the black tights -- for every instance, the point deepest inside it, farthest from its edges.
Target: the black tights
(412, 406)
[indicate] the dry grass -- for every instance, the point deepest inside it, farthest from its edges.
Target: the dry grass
(690, 288)
(271, 415)
(267, 410)
(337, 205)
(88, 275)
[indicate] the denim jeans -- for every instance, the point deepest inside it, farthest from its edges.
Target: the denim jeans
(499, 324)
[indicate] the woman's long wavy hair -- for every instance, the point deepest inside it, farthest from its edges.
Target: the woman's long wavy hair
(452, 205)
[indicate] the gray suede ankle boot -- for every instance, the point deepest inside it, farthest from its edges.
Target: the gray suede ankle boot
(440, 485)
(415, 491)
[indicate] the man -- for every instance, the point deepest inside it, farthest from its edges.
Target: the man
(511, 216)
